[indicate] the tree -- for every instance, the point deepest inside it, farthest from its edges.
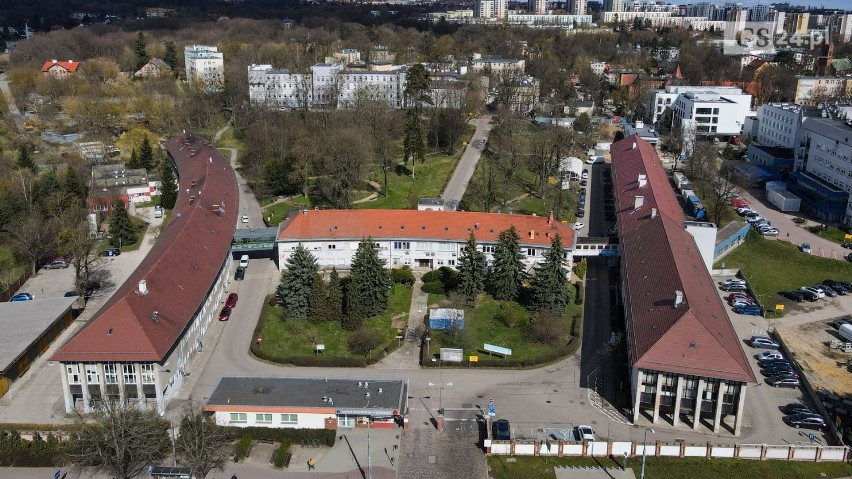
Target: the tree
(73, 185)
(583, 123)
(25, 160)
(471, 270)
(139, 50)
(119, 439)
(507, 270)
(318, 301)
(75, 238)
(32, 235)
(550, 283)
(133, 162)
(121, 229)
(201, 445)
(170, 57)
(168, 185)
(369, 283)
(146, 154)
(417, 87)
(335, 297)
(297, 281)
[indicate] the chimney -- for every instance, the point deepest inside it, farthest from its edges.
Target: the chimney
(634, 145)
(653, 213)
(638, 202)
(143, 287)
(54, 61)
(155, 316)
(305, 212)
(678, 298)
(643, 180)
(532, 234)
(476, 226)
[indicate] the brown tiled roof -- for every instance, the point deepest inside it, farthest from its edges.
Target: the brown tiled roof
(658, 258)
(414, 224)
(179, 270)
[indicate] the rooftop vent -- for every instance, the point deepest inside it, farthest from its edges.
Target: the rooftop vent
(653, 212)
(380, 390)
(634, 145)
(155, 316)
(476, 225)
(638, 202)
(691, 345)
(143, 287)
(678, 298)
(643, 180)
(109, 331)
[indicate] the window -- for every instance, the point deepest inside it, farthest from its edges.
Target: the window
(289, 419)
(129, 373)
(446, 247)
(147, 373)
(263, 418)
(345, 421)
(451, 262)
(401, 245)
(530, 251)
(488, 248)
(238, 417)
(424, 246)
(332, 246)
(110, 373)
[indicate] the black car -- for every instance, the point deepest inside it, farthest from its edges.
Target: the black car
(783, 380)
(797, 408)
(584, 182)
(796, 296)
(810, 421)
(581, 213)
(111, 252)
(846, 245)
(501, 430)
(778, 370)
(810, 295)
(769, 363)
(837, 323)
(837, 286)
(240, 274)
(71, 294)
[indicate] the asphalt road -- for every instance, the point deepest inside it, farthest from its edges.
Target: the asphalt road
(457, 185)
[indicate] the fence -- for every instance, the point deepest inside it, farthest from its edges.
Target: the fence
(761, 452)
(14, 287)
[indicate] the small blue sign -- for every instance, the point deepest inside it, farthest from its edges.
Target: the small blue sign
(492, 411)
(812, 437)
(57, 474)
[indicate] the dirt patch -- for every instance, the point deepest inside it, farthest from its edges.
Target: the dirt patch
(825, 368)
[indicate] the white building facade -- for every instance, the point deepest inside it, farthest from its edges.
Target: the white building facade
(715, 110)
(828, 145)
(206, 64)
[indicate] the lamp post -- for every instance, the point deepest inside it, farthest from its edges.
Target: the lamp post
(440, 418)
(644, 448)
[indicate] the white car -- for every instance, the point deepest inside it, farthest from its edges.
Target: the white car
(245, 219)
(585, 175)
(579, 226)
(769, 355)
(244, 261)
(585, 433)
(812, 290)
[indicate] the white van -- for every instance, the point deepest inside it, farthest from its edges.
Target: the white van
(244, 260)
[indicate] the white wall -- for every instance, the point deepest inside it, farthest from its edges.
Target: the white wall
(304, 420)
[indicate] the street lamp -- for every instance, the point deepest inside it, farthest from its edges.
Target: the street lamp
(440, 419)
(644, 448)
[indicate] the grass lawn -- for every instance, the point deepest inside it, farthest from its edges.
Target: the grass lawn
(484, 325)
(403, 191)
(834, 234)
(772, 266)
(277, 212)
(671, 468)
(293, 337)
(141, 228)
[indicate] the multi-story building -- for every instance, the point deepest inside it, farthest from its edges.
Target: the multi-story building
(58, 69)
(778, 124)
(796, 22)
(138, 347)
(577, 7)
(664, 19)
(813, 90)
(538, 7)
(844, 29)
(685, 358)
(453, 15)
(420, 239)
(205, 64)
(613, 5)
(760, 13)
(827, 162)
(497, 66)
(490, 9)
(549, 21)
(715, 110)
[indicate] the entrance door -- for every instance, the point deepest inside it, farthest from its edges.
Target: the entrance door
(424, 263)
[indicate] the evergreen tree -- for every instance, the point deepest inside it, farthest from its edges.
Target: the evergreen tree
(507, 269)
(471, 270)
(140, 51)
(25, 160)
(168, 185)
(121, 229)
(417, 87)
(133, 162)
(46, 185)
(297, 281)
(73, 185)
(550, 283)
(146, 154)
(335, 297)
(170, 56)
(368, 286)
(318, 301)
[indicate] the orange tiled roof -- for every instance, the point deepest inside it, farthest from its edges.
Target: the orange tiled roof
(70, 65)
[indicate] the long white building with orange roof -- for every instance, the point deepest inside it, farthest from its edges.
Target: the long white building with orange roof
(419, 239)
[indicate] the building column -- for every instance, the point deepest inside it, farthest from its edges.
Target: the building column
(678, 396)
(140, 394)
(696, 416)
(718, 419)
(638, 394)
(740, 410)
(85, 383)
(66, 388)
(658, 392)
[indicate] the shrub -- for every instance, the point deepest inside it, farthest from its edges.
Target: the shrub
(402, 275)
(281, 454)
(241, 451)
(507, 316)
(431, 276)
(548, 327)
(433, 287)
(580, 268)
(449, 277)
(363, 341)
(273, 300)
(321, 437)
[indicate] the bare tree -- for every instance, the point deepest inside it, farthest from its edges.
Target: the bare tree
(717, 193)
(75, 238)
(201, 445)
(119, 439)
(384, 127)
(33, 235)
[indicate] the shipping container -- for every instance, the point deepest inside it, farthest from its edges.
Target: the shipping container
(784, 200)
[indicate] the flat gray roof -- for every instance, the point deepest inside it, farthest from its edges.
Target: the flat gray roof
(347, 395)
(24, 322)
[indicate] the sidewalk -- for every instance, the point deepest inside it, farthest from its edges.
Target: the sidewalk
(408, 355)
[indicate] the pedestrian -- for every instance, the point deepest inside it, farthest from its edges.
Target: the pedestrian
(311, 464)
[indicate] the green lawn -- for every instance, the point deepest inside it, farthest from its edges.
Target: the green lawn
(484, 325)
(141, 229)
(834, 234)
(294, 337)
(429, 180)
(229, 140)
(772, 266)
(670, 467)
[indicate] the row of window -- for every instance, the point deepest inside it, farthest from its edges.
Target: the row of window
(263, 418)
(111, 373)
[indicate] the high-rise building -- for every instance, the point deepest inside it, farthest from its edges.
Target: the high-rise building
(490, 9)
(845, 31)
(578, 7)
(760, 13)
(613, 5)
(538, 7)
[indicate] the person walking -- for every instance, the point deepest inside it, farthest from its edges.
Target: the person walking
(311, 464)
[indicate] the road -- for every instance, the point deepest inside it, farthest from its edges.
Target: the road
(13, 108)
(248, 201)
(457, 185)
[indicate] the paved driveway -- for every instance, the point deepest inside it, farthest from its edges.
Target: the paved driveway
(457, 185)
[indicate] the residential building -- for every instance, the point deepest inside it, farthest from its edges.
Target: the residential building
(760, 13)
(538, 7)
(117, 180)
(613, 5)
(58, 69)
(717, 111)
(154, 68)
(420, 239)
(496, 66)
(685, 358)
(138, 347)
(308, 403)
(796, 22)
(344, 56)
(598, 68)
(204, 64)
(496, 9)
(549, 21)
(827, 182)
(844, 31)
(453, 15)
(523, 94)
(577, 7)
(813, 90)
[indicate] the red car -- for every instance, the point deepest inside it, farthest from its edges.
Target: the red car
(225, 314)
(739, 203)
(734, 296)
(232, 300)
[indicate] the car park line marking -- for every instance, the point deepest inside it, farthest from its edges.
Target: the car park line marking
(596, 400)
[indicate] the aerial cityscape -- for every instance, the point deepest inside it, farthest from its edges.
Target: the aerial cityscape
(409, 239)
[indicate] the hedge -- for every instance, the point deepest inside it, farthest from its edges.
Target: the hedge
(243, 447)
(402, 275)
(325, 437)
(40, 452)
(281, 454)
(433, 287)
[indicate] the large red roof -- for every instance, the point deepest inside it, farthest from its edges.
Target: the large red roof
(179, 270)
(70, 65)
(414, 224)
(658, 258)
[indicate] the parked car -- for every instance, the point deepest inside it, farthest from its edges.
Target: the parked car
(501, 430)
(797, 408)
(837, 286)
(232, 300)
(240, 273)
(582, 191)
(742, 302)
(806, 248)
(796, 296)
(770, 232)
(578, 225)
(733, 281)
(734, 288)
(244, 261)
(584, 433)
(763, 342)
(810, 295)
(225, 314)
(818, 292)
(735, 296)
(778, 369)
(739, 203)
(111, 252)
(744, 210)
(767, 355)
(581, 212)
(767, 363)
(810, 421)
(585, 175)
(784, 380)
(57, 263)
(22, 297)
(846, 245)
(245, 219)
(749, 309)
(829, 291)
(584, 182)
(70, 294)
(837, 323)
(755, 219)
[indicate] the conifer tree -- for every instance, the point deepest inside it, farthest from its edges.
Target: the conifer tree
(335, 297)
(168, 186)
(507, 269)
(318, 301)
(146, 154)
(170, 56)
(121, 229)
(139, 50)
(550, 283)
(73, 185)
(368, 286)
(133, 162)
(25, 160)
(471, 270)
(297, 281)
